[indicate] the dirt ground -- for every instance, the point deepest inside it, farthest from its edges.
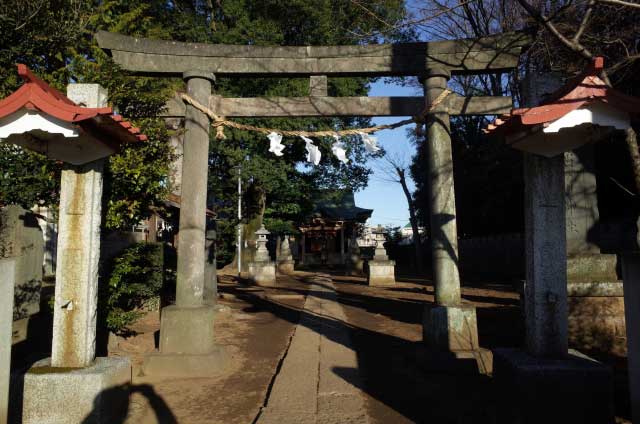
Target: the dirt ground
(255, 325)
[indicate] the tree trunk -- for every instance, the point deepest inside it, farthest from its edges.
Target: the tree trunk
(413, 219)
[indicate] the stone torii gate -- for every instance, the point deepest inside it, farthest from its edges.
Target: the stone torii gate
(450, 326)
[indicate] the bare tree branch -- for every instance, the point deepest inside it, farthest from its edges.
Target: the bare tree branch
(621, 3)
(585, 21)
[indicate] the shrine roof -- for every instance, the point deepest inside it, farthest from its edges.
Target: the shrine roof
(340, 206)
(583, 90)
(36, 94)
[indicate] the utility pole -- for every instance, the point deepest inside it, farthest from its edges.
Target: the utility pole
(239, 221)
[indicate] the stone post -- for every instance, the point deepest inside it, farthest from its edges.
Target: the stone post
(546, 265)
(631, 278)
(75, 307)
(450, 326)
(187, 345)
(78, 252)
(191, 249)
(7, 273)
(303, 249)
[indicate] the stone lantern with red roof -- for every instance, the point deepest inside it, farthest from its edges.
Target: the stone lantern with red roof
(547, 382)
(79, 130)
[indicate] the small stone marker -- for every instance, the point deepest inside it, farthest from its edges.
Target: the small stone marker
(285, 260)
(381, 268)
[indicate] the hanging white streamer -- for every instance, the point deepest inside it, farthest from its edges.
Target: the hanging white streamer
(370, 143)
(313, 152)
(338, 150)
(276, 147)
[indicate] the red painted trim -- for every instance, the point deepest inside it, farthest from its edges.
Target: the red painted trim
(586, 89)
(36, 94)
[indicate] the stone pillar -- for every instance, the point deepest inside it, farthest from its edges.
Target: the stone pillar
(187, 345)
(631, 277)
(195, 168)
(444, 233)
(303, 249)
(381, 269)
(7, 272)
(546, 266)
(571, 386)
(76, 292)
(450, 326)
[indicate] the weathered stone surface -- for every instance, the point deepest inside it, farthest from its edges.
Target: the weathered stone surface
(444, 233)
(21, 239)
(263, 273)
(463, 56)
(74, 314)
(94, 394)
(7, 271)
(592, 267)
(546, 266)
(581, 201)
(191, 248)
(187, 330)
(450, 328)
(381, 273)
(285, 258)
(187, 344)
(342, 106)
(595, 289)
(532, 390)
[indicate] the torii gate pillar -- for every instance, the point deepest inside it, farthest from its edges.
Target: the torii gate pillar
(450, 326)
(187, 346)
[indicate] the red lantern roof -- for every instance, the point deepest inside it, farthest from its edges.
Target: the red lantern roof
(582, 91)
(36, 94)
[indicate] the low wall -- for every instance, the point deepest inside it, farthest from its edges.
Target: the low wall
(500, 257)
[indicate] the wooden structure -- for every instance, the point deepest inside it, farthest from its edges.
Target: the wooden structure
(324, 238)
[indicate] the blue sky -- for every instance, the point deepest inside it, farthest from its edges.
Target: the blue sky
(386, 198)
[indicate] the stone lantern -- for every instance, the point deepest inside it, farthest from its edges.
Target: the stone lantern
(262, 270)
(381, 268)
(79, 130)
(571, 386)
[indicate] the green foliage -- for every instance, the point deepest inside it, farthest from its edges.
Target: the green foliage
(136, 276)
(55, 39)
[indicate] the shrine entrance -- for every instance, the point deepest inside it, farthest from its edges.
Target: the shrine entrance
(450, 326)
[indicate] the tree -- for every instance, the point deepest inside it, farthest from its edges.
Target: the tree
(55, 39)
